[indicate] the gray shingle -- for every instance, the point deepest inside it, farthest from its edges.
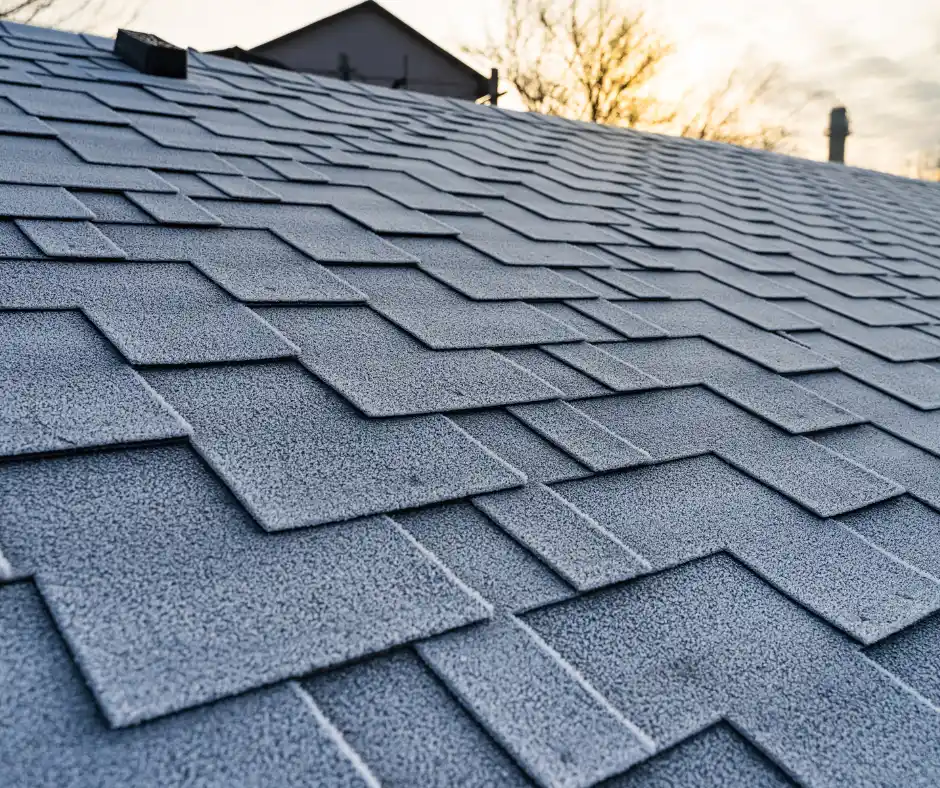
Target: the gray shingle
(64, 387)
(509, 438)
(404, 187)
(677, 511)
(253, 265)
(164, 313)
(590, 328)
(24, 124)
(233, 127)
(911, 382)
(922, 428)
(40, 202)
(440, 178)
(111, 207)
(623, 319)
(408, 728)
(718, 757)
(14, 244)
(144, 548)
(574, 545)
(183, 135)
(584, 439)
(296, 171)
(62, 105)
(571, 383)
(851, 285)
(55, 735)
(692, 361)
(904, 527)
(251, 167)
(889, 342)
(592, 284)
(912, 656)
(296, 454)
(444, 319)
(385, 372)
(538, 709)
(320, 232)
(124, 145)
(46, 162)
(484, 557)
(747, 281)
(538, 228)
(699, 287)
(17, 73)
(133, 99)
(629, 284)
(81, 176)
(173, 209)
(870, 311)
(70, 239)
(917, 470)
(684, 422)
(929, 306)
(480, 277)
(511, 248)
(191, 185)
(610, 370)
(33, 33)
(548, 204)
(365, 206)
(676, 650)
(239, 187)
(695, 318)
(638, 256)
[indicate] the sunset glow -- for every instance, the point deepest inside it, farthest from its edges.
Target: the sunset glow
(881, 59)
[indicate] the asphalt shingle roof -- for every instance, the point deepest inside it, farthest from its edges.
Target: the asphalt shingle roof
(358, 437)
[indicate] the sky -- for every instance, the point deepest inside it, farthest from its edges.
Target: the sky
(880, 58)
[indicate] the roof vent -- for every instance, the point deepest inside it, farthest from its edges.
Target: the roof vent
(837, 132)
(150, 54)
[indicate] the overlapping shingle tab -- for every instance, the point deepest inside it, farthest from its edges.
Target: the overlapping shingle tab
(360, 437)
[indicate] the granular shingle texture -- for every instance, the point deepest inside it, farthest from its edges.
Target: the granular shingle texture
(62, 386)
(155, 554)
(297, 454)
(356, 437)
(54, 735)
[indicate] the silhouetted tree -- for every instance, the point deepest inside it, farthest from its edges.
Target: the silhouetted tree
(597, 60)
(721, 116)
(582, 60)
(85, 15)
(925, 165)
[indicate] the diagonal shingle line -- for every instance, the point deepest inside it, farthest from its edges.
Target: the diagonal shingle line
(336, 735)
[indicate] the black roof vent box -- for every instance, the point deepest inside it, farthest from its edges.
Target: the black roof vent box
(150, 55)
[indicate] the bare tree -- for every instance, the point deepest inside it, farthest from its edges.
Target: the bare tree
(925, 165)
(589, 61)
(598, 60)
(89, 16)
(722, 116)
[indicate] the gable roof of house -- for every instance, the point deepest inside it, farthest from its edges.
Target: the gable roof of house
(359, 437)
(374, 8)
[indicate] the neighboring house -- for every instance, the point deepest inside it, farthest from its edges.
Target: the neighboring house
(356, 437)
(367, 43)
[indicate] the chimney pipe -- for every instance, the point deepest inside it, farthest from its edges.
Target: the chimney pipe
(150, 55)
(837, 132)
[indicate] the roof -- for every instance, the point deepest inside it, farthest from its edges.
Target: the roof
(247, 56)
(372, 7)
(353, 436)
